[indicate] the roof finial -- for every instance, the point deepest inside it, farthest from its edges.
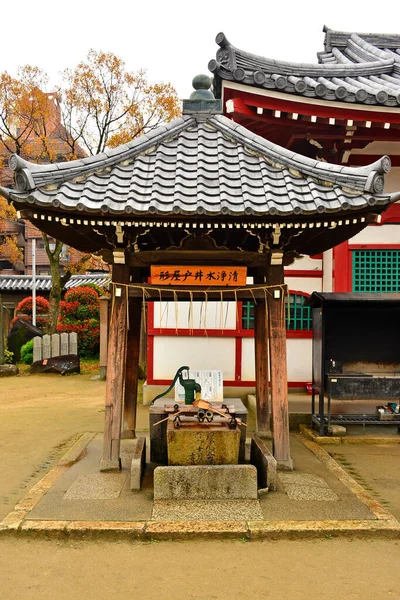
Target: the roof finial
(202, 101)
(202, 85)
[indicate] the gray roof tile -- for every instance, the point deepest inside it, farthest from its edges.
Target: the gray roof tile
(23, 283)
(353, 68)
(198, 166)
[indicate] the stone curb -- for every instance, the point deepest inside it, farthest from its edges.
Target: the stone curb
(16, 522)
(329, 440)
(185, 530)
(76, 451)
(377, 509)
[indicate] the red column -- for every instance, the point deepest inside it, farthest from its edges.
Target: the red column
(342, 268)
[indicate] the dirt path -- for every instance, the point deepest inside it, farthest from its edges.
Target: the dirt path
(40, 417)
(199, 570)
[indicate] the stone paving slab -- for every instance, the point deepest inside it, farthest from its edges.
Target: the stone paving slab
(299, 486)
(22, 520)
(190, 510)
(96, 486)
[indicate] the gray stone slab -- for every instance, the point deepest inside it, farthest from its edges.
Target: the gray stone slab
(46, 346)
(265, 463)
(195, 510)
(96, 486)
(73, 343)
(55, 345)
(138, 464)
(64, 344)
(37, 348)
(206, 482)
(304, 486)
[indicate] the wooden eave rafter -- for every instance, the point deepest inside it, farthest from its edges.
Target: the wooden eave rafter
(319, 108)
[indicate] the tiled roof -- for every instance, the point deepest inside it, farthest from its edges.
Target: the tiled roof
(199, 164)
(43, 282)
(361, 68)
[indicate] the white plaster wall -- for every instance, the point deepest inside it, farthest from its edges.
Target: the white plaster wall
(392, 180)
(383, 234)
(304, 284)
(170, 353)
(299, 357)
(201, 315)
(306, 263)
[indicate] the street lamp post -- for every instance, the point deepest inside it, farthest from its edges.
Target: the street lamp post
(34, 282)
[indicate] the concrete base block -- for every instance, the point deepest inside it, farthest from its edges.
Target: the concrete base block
(285, 465)
(110, 465)
(138, 464)
(206, 482)
(265, 463)
(211, 445)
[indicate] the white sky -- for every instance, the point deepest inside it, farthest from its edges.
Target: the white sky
(174, 41)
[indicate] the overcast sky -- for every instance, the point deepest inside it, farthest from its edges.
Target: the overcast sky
(174, 41)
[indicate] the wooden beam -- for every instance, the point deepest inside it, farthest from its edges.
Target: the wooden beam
(115, 371)
(278, 370)
(132, 368)
(261, 360)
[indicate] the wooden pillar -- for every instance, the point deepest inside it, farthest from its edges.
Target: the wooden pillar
(261, 367)
(104, 304)
(115, 371)
(132, 368)
(278, 368)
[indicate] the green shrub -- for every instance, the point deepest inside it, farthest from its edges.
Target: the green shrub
(80, 312)
(27, 353)
(8, 355)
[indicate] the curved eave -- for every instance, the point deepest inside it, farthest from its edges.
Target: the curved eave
(371, 76)
(349, 204)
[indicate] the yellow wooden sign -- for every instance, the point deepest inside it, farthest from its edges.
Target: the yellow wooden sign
(198, 275)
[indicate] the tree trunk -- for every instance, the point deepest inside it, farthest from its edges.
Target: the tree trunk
(57, 283)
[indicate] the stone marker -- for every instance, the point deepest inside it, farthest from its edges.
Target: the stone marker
(138, 464)
(64, 343)
(206, 482)
(73, 343)
(262, 459)
(37, 348)
(55, 345)
(8, 370)
(46, 346)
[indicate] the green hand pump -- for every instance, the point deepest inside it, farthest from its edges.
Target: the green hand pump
(190, 386)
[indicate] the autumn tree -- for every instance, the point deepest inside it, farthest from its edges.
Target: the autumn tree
(98, 105)
(104, 105)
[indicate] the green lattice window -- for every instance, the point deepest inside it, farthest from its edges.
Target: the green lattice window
(376, 270)
(248, 315)
(298, 317)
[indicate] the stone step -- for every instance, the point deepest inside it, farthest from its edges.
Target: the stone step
(205, 482)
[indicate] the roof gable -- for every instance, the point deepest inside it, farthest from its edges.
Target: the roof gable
(197, 165)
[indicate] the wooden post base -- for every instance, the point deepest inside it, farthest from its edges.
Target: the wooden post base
(278, 358)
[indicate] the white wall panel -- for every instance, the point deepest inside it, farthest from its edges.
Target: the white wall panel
(385, 234)
(299, 357)
(306, 263)
(170, 353)
(198, 315)
(304, 284)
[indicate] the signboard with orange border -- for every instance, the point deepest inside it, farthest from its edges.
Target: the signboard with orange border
(205, 276)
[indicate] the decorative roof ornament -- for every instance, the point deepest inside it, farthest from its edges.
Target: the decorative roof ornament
(354, 68)
(202, 100)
